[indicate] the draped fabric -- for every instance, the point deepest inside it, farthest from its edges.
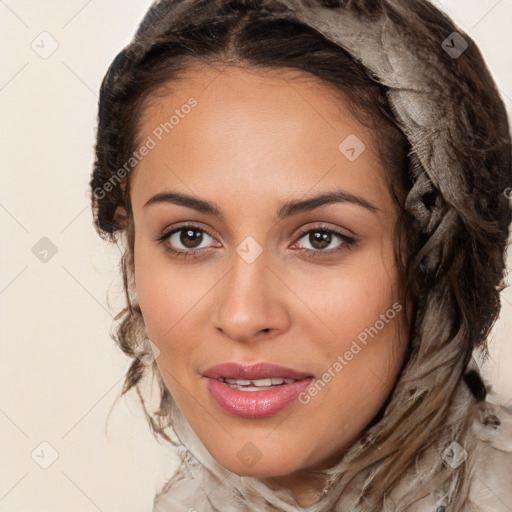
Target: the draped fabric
(201, 484)
(454, 120)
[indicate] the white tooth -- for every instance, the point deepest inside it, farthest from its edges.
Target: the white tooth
(262, 382)
(256, 384)
(253, 388)
(243, 382)
(248, 382)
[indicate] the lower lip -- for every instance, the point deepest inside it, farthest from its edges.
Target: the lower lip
(255, 404)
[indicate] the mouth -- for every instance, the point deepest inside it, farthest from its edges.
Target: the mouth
(254, 391)
(254, 372)
(256, 384)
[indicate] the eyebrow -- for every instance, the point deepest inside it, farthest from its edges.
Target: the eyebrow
(288, 209)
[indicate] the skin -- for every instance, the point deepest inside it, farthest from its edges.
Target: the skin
(253, 142)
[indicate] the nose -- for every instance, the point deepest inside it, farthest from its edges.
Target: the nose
(251, 302)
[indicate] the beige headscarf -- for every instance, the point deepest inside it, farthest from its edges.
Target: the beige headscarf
(447, 105)
(201, 484)
(420, 85)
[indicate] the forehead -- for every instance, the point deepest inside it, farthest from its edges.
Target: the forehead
(267, 99)
(268, 130)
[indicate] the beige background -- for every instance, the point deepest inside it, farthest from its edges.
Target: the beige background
(60, 371)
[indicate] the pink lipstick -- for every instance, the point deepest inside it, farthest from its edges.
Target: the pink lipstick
(254, 391)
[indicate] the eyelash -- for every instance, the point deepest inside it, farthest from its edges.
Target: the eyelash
(193, 253)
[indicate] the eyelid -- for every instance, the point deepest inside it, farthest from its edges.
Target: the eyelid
(321, 226)
(166, 233)
(347, 241)
(182, 225)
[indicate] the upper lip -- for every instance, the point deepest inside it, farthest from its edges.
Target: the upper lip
(234, 370)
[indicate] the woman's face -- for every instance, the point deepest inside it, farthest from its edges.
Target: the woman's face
(277, 276)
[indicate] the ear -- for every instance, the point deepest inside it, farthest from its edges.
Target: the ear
(120, 217)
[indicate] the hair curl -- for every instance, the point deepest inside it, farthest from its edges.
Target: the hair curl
(451, 268)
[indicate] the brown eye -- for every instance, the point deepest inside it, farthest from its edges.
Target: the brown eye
(319, 239)
(322, 238)
(190, 238)
(185, 241)
(187, 237)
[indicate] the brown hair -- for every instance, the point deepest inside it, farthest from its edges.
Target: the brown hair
(451, 270)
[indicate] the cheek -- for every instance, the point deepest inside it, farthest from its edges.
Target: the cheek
(164, 311)
(363, 347)
(363, 357)
(161, 292)
(346, 302)
(172, 298)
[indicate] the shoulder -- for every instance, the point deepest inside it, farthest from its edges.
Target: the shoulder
(486, 455)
